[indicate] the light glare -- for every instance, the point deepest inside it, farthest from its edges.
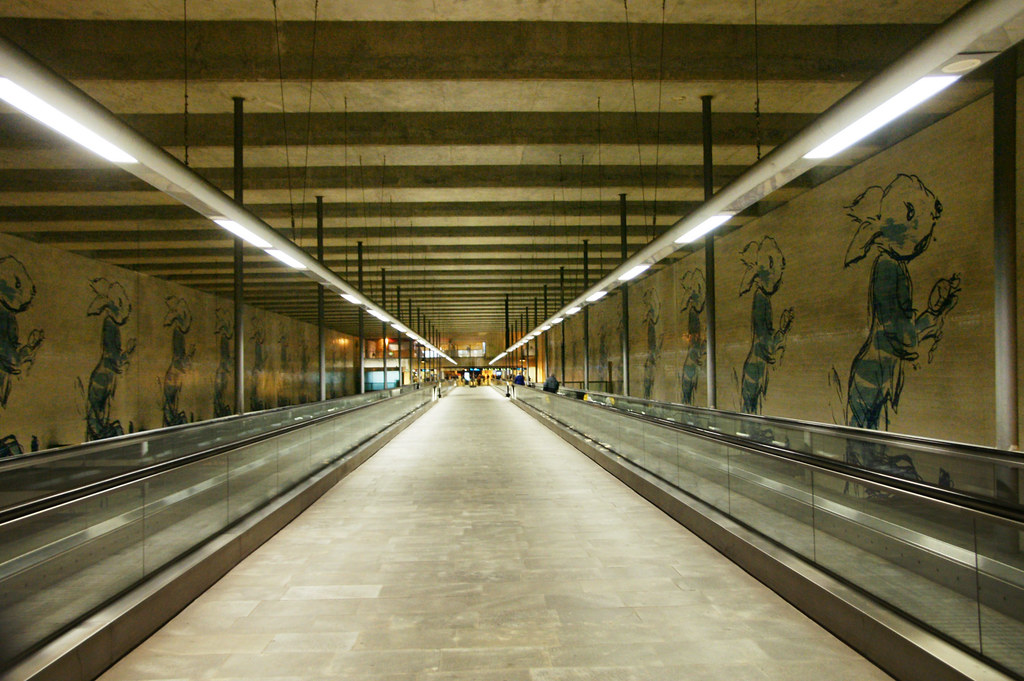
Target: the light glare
(242, 233)
(285, 258)
(635, 272)
(704, 227)
(594, 297)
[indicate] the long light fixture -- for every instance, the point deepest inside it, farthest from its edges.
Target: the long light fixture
(968, 39)
(47, 97)
(635, 272)
(57, 120)
(887, 111)
(596, 296)
(572, 310)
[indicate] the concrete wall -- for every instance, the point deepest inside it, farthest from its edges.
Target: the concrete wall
(92, 350)
(810, 322)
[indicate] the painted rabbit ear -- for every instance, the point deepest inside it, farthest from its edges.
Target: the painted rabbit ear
(750, 254)
(868, 206)
(866, 236)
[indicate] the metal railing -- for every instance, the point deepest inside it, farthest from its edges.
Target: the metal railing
(950, 559)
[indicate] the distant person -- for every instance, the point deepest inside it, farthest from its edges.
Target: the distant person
(519, 380)
(551, 384)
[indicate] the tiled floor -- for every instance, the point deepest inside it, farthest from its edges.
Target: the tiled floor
(478, 545)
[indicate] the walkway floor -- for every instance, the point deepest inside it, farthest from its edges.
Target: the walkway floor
(478, 545)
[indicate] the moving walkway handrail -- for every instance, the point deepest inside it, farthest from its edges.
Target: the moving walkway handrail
(883, 438)
(995, 508)
(112, 482)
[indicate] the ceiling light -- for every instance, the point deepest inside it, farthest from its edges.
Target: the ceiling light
(704, 227)
(557, 320)
(350, 298)
(596, 296)
(242, 233)
(892, 108)
(545, 327)
(962, 65)
(572, 310)
(22, 99)
(399, 328)
(379, 315)
(635, 272)
(286, 259)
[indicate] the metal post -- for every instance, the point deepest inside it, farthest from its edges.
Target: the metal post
(561, 306)
(384, 327)
(239, 261)
(398, 314)
(709, 255)
(624, 331)
(361, 354)
(547, 339)
(586, 318)
(536, 345)
(526, 345)
(320, 299)
(508, 338)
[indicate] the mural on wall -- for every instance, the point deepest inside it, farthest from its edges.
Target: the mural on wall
(652, 315)
(225, 331)
(693, 288)
(764, 264)
(896, 225)
(111, 302)
(259, 397)
(286, 378)
(16, 358)
(179, 318)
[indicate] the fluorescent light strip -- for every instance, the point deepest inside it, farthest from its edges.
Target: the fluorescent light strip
(285, 258)
(893, 108)
(351, 298)
(545, 327)
(242, 233)
(704, 227)
(596, 296)
(634, 273)
(572, 310)
(399, 328)
(557, 320)
(379, 315)
(22, 99)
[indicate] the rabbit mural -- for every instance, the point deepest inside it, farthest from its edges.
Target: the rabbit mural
(895, 224)
(111, 302)
(179, 318)
(652, 315)
(765, 264)
(16, 358)
(225, 333)
(692, 294)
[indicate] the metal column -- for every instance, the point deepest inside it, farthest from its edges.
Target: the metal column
(561, 305)
(384, 326)
(508, 336)
(398, 315)
(586, 317)
(709, 254)
(239, 255)
(624, 331)
(547, 339)
(361, 352)
(536, 345)
(320, 299)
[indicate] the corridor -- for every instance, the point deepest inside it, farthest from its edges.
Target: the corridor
(478, 545)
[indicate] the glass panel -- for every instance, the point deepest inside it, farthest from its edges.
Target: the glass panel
(1001, 591)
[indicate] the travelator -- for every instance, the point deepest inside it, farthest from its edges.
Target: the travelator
(880, 537)
(102, 542)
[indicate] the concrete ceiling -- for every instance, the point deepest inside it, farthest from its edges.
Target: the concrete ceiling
(471, 145)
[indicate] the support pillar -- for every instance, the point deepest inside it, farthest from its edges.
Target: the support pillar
(586, 318)
(361, 353)
(547, 339)
(624, 331)
(536, 345)
(709, 255)
(561, 306)
(398, 315)
(322, 342)
(239, 261)
(384, 327)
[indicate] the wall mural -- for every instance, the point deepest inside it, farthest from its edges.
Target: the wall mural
(225, 331)
(179, 318)
(111, 302)
(896, 224)
(693, 290)
(16, 358)
(765, 264)
(652, 315)
(259, 398)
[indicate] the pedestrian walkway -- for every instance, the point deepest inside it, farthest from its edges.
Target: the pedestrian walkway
(478, 545)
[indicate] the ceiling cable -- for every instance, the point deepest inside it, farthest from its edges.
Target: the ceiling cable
(757, 87)
(184, 44)
(657, 138)
(284, 119)
(636, 117)
(309, 114)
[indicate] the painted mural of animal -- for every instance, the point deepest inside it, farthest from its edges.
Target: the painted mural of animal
(16, 358)
(111, 302)
(895, 224)
(258, 400)
(179, 318)
(765, 264)
(652, 315)
(222, 377)
(693, 290)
